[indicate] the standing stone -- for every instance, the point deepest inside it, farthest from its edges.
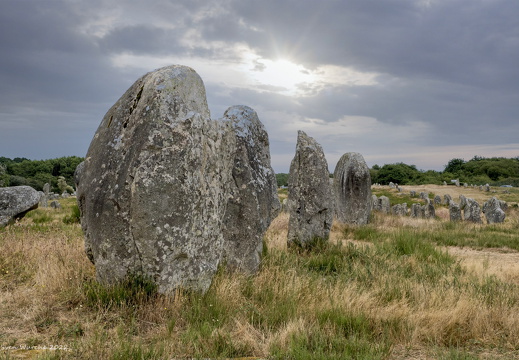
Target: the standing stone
(472, 211)
(391, 185)
(487, 187)
(399, 209)
(412, 193)
(15, 202)
(493, 211)
(416, 210)
(437, 199)
(424, 195)
(428, 209)
(457, 182)
(44, 198)
(154, 186)
(445, 183)
(254, 201)
(447, 199)
(463, 202)
(454, 211)
(384, 205)
(310, 201)
(374, 203)
(352, 184)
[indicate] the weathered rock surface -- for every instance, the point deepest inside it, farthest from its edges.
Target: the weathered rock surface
(447, 199)
(494, 213)
(15, 202)
(454, 211)
(383, 204)
(472, 211)
(399, 209)
(428, 209)
(352, 190)
(437, 200)
(416, 210)
(154, 186)
(254, 201)
(310, 201)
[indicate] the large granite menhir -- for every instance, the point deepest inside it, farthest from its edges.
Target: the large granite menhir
(310, 200)
(352, 186)
(154, 187)
(254, 201)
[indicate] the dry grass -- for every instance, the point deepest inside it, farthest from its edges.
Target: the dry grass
(367, 296)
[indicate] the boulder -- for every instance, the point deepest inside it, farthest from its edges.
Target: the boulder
(416, 211)
(437, 200)
(454, 211)
(154, 186)
(399, 209)
(494, 213)
(428, 209)
(463, 202)
(310, 202)
(254, 201)
(446, 199)
(352, 190)
(15, 202)
(472, 211)
(384, 205)
(55, 204)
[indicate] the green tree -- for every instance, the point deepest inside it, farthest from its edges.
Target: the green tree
(399, 173)
(454, 166)
(282, 179)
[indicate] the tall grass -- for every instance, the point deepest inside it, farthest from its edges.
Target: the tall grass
(383, 291)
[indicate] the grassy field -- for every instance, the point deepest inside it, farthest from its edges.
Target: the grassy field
(399, 288)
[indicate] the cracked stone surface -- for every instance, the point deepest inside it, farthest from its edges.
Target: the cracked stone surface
(154, 185)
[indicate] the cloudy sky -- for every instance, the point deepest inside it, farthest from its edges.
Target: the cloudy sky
(414, 81)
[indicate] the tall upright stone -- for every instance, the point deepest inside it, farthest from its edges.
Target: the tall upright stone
(472, 211)
(310, 201)
(454, 211)
(352, 188)
(494, 213)
(154, 187)
(254, 201)
(384, 205)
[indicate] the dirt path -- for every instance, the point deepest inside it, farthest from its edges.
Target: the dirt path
(503, 263)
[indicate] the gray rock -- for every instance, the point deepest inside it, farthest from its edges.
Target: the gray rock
(310, 201)
(437, 199)
(374, 203)
(392, 185)
(463, 202)
(77, 173)
(254, 201)
(424, 195)
(445, 183)
(352, 187)
(383, 204)
(454, 211)
(428, 209)
(494, 213)
(446, 199)
(399, 209)
(416, 210)
(55, 204)
(412, 193)
(487, 187)
(472, 211)
(154, 186)
(15, 202)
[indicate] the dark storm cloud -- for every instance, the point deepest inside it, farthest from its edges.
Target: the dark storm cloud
(449, 66)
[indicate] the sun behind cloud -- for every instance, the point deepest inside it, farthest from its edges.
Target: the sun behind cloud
(282, 74)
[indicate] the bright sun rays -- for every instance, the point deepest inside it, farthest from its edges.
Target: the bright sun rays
(282, 74)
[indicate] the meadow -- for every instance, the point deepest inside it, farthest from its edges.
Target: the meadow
(398, 288)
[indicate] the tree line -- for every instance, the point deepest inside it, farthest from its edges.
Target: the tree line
(479, 171)
(35, 173)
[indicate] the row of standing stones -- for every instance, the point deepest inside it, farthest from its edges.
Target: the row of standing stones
(168, 193)
(493, 209)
